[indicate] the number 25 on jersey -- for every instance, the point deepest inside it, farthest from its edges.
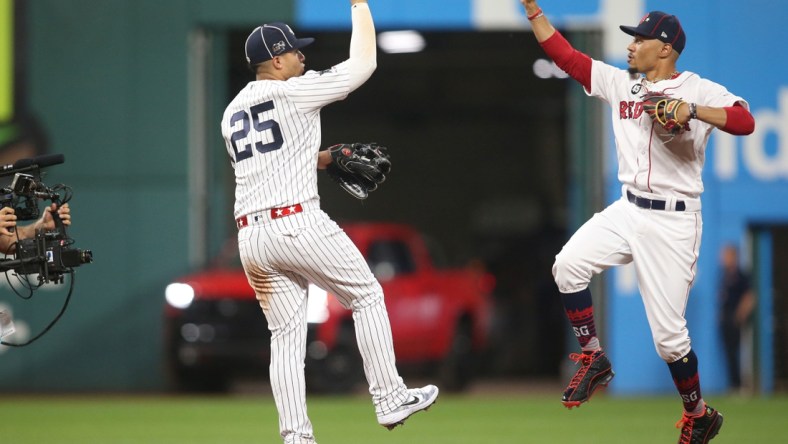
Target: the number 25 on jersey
(259, 127)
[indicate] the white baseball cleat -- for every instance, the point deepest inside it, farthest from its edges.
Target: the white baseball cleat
(420, 399)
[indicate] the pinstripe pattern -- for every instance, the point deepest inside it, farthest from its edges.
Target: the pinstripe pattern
(288, 175)
(281, 257)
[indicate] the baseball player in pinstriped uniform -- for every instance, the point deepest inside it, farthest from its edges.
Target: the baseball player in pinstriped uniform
(662, 121)
(272, 132)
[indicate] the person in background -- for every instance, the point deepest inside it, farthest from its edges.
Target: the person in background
(736, 302)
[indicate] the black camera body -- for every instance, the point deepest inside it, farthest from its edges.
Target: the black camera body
(49, 253)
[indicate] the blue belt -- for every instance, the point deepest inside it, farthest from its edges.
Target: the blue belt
(653, 204)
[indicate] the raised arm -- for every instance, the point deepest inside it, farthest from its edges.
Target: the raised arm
(542, 28)
(363, 47)
(572, 61)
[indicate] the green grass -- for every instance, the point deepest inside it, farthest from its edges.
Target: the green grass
(350, 420)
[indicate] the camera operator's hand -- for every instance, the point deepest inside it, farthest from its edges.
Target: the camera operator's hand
(46, 221)
(7, 221)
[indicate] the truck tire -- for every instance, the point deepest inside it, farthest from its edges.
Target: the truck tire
(458, 367)
(342, 368)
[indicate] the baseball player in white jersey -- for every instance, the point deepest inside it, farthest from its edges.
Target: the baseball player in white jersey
(662, 120)
(272, 132)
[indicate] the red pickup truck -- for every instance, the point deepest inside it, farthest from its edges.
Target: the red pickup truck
(215, 330)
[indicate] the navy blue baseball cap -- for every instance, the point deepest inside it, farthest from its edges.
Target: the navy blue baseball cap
(663, 27)
(270, 40)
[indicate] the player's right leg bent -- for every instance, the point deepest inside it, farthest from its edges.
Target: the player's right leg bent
(598, 245)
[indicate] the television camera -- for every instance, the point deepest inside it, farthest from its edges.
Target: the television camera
(49, 253)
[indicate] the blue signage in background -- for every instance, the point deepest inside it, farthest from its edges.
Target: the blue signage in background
(746, 178)
(419, 14)
(438, 14)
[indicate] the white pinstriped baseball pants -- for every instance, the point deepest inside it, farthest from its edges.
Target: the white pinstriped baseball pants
(663, 245)
(281, 257)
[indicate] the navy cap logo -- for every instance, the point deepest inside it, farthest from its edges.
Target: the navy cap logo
(279, 47)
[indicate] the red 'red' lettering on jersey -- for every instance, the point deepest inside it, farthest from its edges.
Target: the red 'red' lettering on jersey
(630, 109)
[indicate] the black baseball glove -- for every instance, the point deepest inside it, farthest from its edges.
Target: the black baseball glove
(358, 167)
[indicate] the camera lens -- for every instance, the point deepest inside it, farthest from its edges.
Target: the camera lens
(85, 256)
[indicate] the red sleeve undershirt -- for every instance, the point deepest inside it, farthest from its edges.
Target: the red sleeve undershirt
(572, 61)
(739, 122)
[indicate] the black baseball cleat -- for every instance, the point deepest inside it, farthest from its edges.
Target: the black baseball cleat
(595, 371)
(420, 399)
(699, 429)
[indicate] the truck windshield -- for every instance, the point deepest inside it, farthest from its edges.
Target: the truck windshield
(387, 259)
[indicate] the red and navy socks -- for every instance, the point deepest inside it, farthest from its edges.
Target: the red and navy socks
(685, 376)
(580, 311)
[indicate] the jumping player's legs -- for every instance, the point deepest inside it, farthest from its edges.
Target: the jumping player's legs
(601, 243)
(313, 246)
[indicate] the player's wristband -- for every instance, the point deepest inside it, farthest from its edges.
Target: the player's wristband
(693, 110)
(536, 15)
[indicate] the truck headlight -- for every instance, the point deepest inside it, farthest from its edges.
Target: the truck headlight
(179, 295)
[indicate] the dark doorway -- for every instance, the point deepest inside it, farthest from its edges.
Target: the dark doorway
(780, 301)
